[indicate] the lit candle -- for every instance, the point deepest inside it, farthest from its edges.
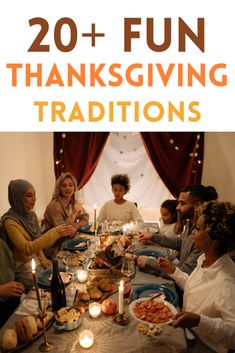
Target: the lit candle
(95, 310)
(86, 339)
(95, 218)
(121, 298)
(82, 275)
(35, 284)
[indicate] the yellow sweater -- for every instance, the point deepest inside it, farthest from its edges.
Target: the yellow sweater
(24, 248)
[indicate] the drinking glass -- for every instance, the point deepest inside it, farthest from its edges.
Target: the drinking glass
(128, 267)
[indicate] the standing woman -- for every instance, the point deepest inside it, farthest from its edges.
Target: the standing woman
(21, 230)
(119, 209)
(63, 208)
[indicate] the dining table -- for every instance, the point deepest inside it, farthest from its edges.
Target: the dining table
(110, 337)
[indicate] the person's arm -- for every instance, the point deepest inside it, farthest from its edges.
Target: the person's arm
(23, 243)
(82, 218)
(180, 277)
(168, 242)
(220, 329)
(11, 289)
(189, 264)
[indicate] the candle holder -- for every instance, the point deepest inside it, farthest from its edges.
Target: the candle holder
(45, 346)
(121, 319)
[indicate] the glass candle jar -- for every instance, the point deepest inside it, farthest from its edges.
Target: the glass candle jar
(86, 339)
(95, 310)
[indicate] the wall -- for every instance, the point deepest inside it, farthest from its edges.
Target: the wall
(30, 156)
(27, 156)
(219, 164)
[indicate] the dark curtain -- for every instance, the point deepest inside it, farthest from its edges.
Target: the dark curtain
(78, 153)
(176, 156)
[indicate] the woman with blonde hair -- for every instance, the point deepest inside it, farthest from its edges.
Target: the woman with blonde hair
(64, 208)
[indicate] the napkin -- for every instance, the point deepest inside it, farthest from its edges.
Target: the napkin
(28, 307)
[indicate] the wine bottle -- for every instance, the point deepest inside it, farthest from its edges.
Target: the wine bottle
(58, 297)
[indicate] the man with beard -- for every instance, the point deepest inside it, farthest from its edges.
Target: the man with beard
(190, 200)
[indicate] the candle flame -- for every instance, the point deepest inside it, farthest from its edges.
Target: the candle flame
(95, 206)
(33, 265)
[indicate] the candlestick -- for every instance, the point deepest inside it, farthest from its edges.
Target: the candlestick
(35, 284)
(124, 234)
(121, 298)
(95, 217)
(95, 310)
(45, 346)
(86, 339)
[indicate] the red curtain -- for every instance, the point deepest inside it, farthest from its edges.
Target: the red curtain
(78, 153)
(176, 156)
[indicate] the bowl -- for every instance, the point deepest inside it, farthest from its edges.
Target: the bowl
(68, 319)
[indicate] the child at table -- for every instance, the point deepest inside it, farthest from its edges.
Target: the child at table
(168, 218)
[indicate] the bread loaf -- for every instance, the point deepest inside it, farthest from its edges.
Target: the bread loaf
(32, 323)
(9, 339)
(20, 331)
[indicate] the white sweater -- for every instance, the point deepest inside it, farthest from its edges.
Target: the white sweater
(210, 292)
(126, 212)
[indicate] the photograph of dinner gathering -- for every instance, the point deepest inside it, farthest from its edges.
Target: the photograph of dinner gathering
(117, 242)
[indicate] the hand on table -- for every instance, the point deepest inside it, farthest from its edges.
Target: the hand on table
(166, 265)
(11, 289)
(66, 230)
(145, 237)
(141, 261)
(186, 319)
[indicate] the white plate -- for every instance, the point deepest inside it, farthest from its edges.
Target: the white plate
(134, 303)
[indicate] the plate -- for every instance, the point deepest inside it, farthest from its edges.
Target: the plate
(135, 303)
(147, 289)
(149, 252)
(44, 278)
(88, 229)
(75, 244)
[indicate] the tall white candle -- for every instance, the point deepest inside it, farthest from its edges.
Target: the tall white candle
(121, 298)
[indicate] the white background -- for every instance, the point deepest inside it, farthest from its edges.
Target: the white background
(216, 103)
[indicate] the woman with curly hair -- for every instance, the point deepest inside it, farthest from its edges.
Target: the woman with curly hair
(119, 209)
(209, 305)
(63, 208)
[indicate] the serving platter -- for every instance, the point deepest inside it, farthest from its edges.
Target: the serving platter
(39, 334)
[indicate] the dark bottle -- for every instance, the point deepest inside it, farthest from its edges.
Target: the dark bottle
(58, 297)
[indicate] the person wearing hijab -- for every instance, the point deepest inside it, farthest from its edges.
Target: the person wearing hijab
(20, 229)
(63, 208)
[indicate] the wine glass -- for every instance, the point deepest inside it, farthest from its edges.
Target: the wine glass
(128, 267)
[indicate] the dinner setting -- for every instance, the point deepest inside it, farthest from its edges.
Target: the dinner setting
(109, 280)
